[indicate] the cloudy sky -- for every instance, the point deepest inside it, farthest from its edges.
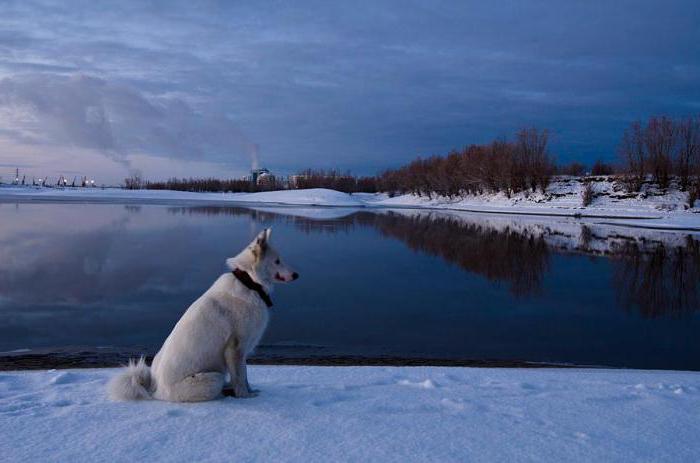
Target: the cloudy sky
(198, 88)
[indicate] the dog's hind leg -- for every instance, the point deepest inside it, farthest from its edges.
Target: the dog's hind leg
(198, 387)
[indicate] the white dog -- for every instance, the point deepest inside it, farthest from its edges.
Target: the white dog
(214, 336)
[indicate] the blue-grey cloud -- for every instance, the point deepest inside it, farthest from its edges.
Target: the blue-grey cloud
(364, 85)
(112, 119)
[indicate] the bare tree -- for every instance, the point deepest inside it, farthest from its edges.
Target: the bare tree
(633, 154)
(660, 142)
(507, 166)
(601, 168)
(688, 161)
(575, 169)
(663, 148)
(532, 157)
(133, 182)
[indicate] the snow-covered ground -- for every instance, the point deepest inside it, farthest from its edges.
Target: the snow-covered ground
(563, 198)
(311, 197)
(649, 209)
(363, 414)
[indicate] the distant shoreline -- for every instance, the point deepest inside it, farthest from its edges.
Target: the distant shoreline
(654, 210)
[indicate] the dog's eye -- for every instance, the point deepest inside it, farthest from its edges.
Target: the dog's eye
(277, 261)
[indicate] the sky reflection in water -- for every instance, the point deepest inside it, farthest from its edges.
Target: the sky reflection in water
(402, 283)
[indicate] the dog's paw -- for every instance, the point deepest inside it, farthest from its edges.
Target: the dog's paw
(244, 393)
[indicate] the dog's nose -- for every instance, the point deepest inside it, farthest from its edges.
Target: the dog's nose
(295, 275)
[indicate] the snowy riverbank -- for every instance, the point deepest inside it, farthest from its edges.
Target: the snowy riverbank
(313, 197)
(363, 414)
(649, 209)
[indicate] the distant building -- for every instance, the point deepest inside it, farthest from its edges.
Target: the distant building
(261, 176)
(296, 180)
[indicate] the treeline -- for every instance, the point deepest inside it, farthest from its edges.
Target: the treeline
(657, 151)
(503, 165)
(660, 149)
(334, 180)
(309, 178)
(214, 185)
(576, 169)
(509, 166)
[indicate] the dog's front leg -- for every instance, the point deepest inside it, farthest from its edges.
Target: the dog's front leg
(250, 389)
(235, 362)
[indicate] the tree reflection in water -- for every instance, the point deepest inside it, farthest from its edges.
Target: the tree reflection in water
(658, 279)
(654, 277)
(517, 259)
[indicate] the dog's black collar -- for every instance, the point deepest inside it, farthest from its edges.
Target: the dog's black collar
(252, 285)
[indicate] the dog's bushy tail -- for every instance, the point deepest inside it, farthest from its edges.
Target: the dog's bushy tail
(134, 383)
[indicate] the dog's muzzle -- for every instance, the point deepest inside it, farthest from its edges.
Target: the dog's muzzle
(279, 277)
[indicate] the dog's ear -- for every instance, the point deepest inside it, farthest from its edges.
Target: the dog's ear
(263, 238)
(260, 243)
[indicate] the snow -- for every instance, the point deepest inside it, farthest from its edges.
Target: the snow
(363, 414)
(612, 205)
(563, 198)
(310, 197)
(314, 196)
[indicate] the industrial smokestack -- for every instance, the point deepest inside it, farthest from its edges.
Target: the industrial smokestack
(254, 156)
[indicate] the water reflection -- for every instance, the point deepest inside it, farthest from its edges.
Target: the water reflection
(65, 266)
(517, 258)
(377, 282)
(654, 273)
(658, 279)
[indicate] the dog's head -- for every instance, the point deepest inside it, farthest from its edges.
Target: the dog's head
(263, 261)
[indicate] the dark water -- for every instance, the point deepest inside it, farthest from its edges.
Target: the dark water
(92, 280)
